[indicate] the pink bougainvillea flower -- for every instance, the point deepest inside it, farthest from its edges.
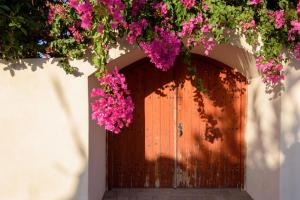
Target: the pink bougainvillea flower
(297, 51)
(84, 7)
(100, 28)
(112, 107)
(255, 2)
(279, 18)
(85, 10)
(295, 30)
(55, 9)
(188, 3)
(208, 44)
(115, 9)
(137, 6)
(86, 21)
(189, 26)
(73, 3)
(76, 34)
(136, 29)
(272, 72)
(161, 8)
(248, 25)
(205, 7)
(163, 49)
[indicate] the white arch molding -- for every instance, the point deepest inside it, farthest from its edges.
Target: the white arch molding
(262, 130)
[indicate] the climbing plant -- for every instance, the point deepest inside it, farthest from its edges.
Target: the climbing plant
(23, 28)
(165, 30)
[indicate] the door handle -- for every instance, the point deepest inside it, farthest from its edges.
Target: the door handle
(180, 129)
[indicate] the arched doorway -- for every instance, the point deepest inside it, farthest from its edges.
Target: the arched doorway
(181, 137)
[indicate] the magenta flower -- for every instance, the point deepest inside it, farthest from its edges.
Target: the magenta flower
(189, 26)
(100, 28)
(205, 7)
(248, 25)
(85, 10)
(208, 44)
(86, 20)
(55, 9)
(76, 34)
(73, 3)
(255, 2)
(188, 3)
(163, 49)
(136, 29)
(114, 107)
(295, 30)
(84, 7)
(279, 18)
(137, 6)
(161, 8)
(115, 9)
(272, 71)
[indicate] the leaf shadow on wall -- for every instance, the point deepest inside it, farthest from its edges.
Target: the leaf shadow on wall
(82, 184)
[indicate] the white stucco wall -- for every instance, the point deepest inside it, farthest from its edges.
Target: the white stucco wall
(43, 131)
(49, 148)
(290, 135)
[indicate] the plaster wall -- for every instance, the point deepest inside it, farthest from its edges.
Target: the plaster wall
(290, 135)
(44, 131)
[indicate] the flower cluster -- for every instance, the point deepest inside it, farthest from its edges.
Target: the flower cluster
(294, 31)
(189, 26)
(272, 71)
(255, 2)
(163, 49)
(85, 10)
(76, 34)
(115, 9)
(55, 9)
(136, 6)
(188, 3)
(247, 25)
(277, 18)
(135, 30)
(114, 107)
(161, 8)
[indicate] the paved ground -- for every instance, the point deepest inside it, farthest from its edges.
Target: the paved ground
(176, 194)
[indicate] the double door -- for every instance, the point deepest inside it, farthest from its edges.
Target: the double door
(181, 137)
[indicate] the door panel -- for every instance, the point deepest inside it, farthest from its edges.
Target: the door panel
(142, 154)
(207, 153)
(210, 145)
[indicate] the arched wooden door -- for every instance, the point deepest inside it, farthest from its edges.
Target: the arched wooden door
(181, 137)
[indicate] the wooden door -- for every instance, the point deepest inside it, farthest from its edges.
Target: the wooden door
(181, 137)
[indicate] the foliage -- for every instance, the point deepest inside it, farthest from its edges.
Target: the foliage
(165, 29)
(23, 28)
